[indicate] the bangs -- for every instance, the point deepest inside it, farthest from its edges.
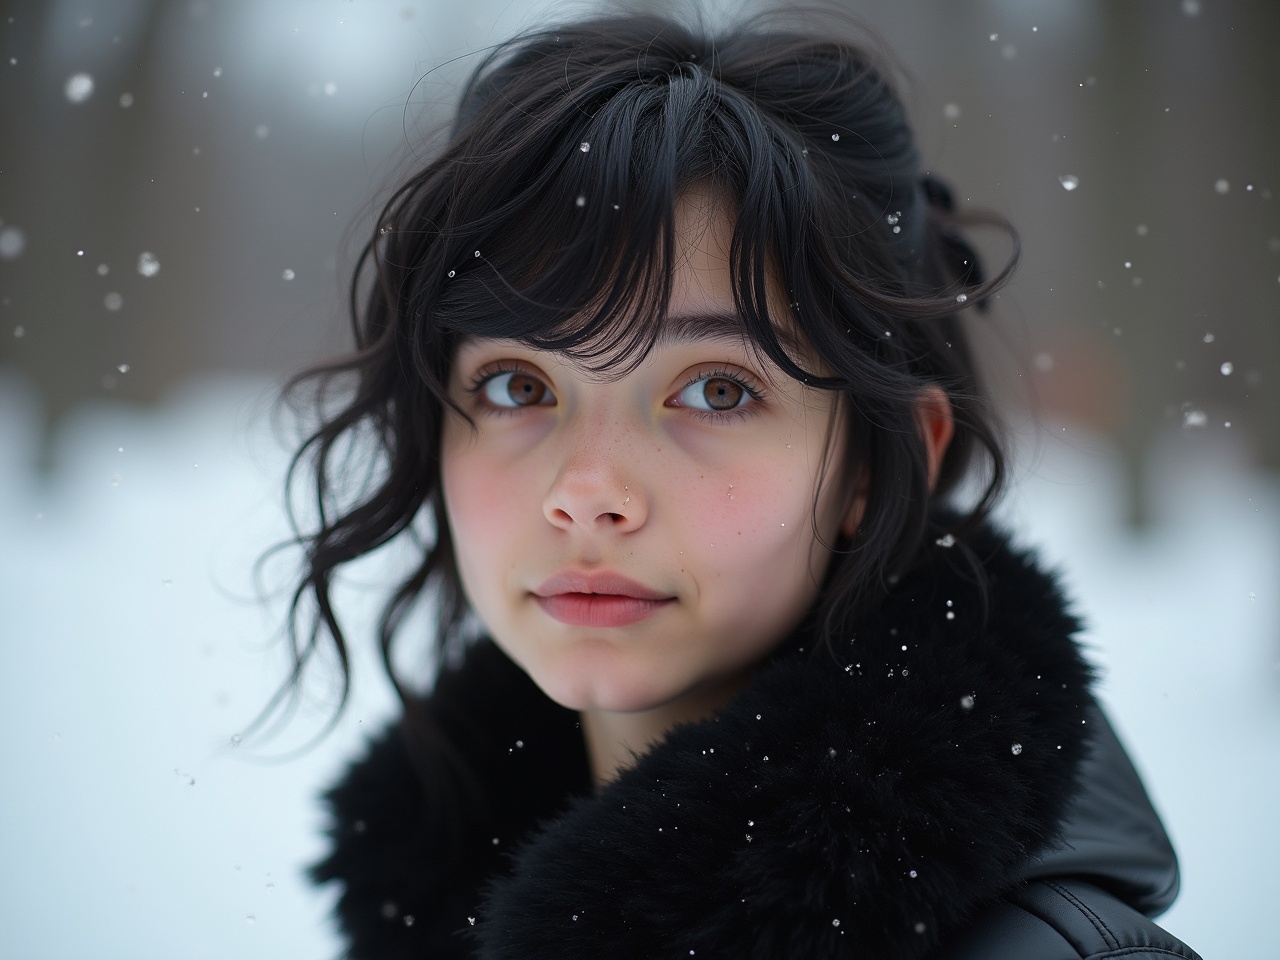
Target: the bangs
(568, 206)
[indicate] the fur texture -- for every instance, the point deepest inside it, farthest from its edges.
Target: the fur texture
(860, 801)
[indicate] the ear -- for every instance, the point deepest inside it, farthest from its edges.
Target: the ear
(853, 516)
(933, 419)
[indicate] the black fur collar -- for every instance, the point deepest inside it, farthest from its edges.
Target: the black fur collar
(860, 805)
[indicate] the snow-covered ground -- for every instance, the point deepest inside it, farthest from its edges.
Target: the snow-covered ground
(132, 651)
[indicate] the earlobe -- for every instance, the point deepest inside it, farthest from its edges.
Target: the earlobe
(933, 415)
(853, 517)
(933, 418)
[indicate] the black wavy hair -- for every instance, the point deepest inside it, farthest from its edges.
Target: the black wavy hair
(547, 218)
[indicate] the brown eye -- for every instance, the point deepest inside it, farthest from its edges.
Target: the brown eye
(516, 389)
(525, 390)
(721, 394)
(716, 393)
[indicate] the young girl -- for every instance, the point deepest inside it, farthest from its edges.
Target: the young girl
(663, 358)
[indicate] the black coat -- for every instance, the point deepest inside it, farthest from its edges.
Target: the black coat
(942, 785)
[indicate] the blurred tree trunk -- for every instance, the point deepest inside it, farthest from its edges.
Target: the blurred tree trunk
(1177, 119)
(70, 183)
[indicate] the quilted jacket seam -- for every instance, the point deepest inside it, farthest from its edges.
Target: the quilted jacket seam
(1109, 938)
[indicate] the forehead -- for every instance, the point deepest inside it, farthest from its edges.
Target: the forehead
(702, 292)
(700, 305)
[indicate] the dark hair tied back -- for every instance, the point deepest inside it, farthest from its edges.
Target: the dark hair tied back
(962, 260)
(513, 230)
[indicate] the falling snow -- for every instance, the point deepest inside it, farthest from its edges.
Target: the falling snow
(12, 242)
(79, 87)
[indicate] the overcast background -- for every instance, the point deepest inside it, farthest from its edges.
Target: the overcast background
(182, 187)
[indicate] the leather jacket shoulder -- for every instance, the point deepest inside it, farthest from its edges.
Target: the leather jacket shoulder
(1065, 919)
(1091, 896)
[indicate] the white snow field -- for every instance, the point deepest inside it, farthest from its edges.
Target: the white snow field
(131, 653)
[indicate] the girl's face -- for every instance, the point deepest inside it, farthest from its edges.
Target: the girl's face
(641, 542)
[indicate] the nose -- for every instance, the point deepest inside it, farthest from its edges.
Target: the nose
(593, 491)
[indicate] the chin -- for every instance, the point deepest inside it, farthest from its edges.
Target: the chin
(599, 697)
(586, 684)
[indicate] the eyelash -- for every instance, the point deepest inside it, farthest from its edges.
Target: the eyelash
(757, 394)
(487, 373)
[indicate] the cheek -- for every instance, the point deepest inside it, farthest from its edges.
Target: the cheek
(481, 503)
(749, 531)
(754, 547)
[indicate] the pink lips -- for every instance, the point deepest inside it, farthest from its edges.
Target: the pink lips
(597, 599)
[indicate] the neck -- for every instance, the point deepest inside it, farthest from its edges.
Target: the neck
(615, 740)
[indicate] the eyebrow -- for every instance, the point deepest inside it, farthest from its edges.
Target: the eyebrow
(692, 327)
(716, 325)
(685, 328)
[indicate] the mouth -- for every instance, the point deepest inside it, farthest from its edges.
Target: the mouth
(598, 599)
(598, 609)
